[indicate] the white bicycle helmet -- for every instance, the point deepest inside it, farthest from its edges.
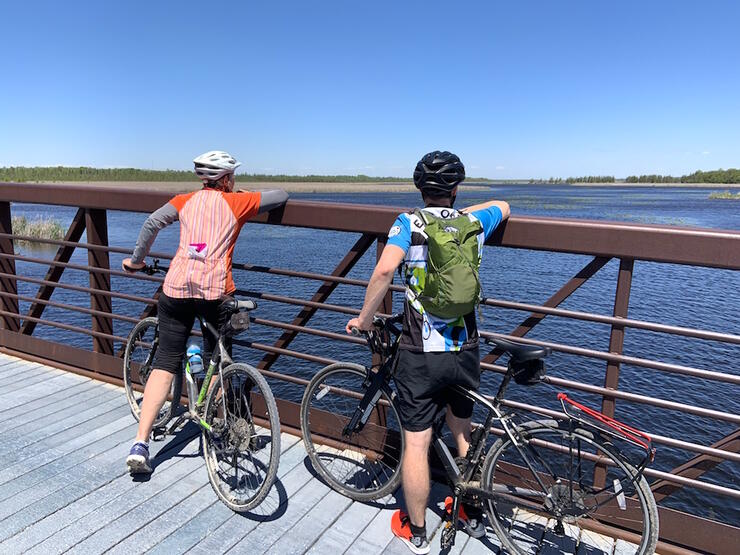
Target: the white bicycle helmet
(215, 164)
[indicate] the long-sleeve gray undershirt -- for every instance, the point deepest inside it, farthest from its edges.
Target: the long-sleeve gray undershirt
(158, 219)
(272, 199)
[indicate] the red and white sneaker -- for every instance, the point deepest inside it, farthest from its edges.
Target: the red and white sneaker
(472, 525)
(401, 528)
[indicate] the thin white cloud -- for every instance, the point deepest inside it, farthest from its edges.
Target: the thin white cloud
(705, 152)
(499, 168)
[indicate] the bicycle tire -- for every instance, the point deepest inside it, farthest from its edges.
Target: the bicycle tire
(146, 331)
(236, 435)
(344, 471)
(529, 525)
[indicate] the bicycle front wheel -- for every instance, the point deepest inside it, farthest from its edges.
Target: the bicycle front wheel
(362, 464)
(563, 507)
(137, 365)
(242, 449)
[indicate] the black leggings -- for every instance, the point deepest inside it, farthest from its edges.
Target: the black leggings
(176, 319)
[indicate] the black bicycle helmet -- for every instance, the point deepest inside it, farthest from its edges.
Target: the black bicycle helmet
(438, 173)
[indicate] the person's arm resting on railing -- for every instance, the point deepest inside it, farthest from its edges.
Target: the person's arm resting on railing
(272, 199)
(159, 219)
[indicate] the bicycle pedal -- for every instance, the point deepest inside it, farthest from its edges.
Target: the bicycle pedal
(448, 535)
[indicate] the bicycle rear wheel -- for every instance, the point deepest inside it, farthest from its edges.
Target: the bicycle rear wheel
(137, 365)
(242, 450)
(572, 512)
(363, 465)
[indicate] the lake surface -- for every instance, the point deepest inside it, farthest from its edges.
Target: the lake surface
(671, 294)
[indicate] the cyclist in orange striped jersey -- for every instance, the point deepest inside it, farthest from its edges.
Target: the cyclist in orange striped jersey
(199, 275)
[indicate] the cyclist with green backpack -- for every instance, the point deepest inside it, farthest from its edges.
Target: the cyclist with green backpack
(440, 249)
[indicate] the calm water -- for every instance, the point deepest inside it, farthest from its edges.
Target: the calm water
(671, 294)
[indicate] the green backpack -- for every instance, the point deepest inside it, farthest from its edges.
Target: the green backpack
(452, 287)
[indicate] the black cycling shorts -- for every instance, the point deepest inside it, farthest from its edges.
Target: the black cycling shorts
(423, 383)
(176, 319)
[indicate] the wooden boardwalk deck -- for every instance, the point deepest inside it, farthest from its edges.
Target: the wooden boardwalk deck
(64, 486)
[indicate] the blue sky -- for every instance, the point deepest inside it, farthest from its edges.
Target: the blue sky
(517, 89)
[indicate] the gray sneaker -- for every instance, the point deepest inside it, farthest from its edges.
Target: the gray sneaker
(469, 519)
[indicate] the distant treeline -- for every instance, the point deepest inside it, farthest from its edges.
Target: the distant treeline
(592, 179)
(717, 176)
(63, 173)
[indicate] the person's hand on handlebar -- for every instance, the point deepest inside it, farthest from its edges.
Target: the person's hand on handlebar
(359, 324)
(131, 267)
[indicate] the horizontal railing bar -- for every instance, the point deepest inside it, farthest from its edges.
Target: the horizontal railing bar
(299, 302)
(88, 246)
(278, 350)
(71, 287)
(633, 397)
(690, 482)
(645, 400)
(312, 331)
(73, 266)
(663, 366)
(612, 320)
(685, 445)
(67, 327)
(74, 308)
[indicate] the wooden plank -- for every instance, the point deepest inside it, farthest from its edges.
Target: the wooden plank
(43, 442)
(349, 525)
(23, 415)
(622, 547)
(80, 503)
(212, 519)
(49, 385)
(77, 393)
(23, 373)
(53, 476)
(27, 464)
(312, 525)
(554, 544)
(27, 433)
(138, 516)
(302, 492)
(9, 365)
(592, 543)
(128, 494)
(185, 510)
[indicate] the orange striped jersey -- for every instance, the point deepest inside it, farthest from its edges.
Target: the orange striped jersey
(210, 222)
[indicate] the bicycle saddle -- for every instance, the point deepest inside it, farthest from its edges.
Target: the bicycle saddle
(520, 351)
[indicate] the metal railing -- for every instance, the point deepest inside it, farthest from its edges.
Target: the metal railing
(602, 241)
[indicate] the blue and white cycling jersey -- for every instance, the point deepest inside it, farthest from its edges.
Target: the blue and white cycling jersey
(423, 331)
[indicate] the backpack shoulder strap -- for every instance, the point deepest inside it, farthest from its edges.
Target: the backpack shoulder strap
(419, 213)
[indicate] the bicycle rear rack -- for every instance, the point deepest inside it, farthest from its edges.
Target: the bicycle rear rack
(608, 425)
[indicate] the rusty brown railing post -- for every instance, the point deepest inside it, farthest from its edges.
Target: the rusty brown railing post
(616, 347)
(64, 253)
(7, 266)
(96, 224)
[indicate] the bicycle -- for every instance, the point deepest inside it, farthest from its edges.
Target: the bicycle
(547, 482)
(241, 456)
